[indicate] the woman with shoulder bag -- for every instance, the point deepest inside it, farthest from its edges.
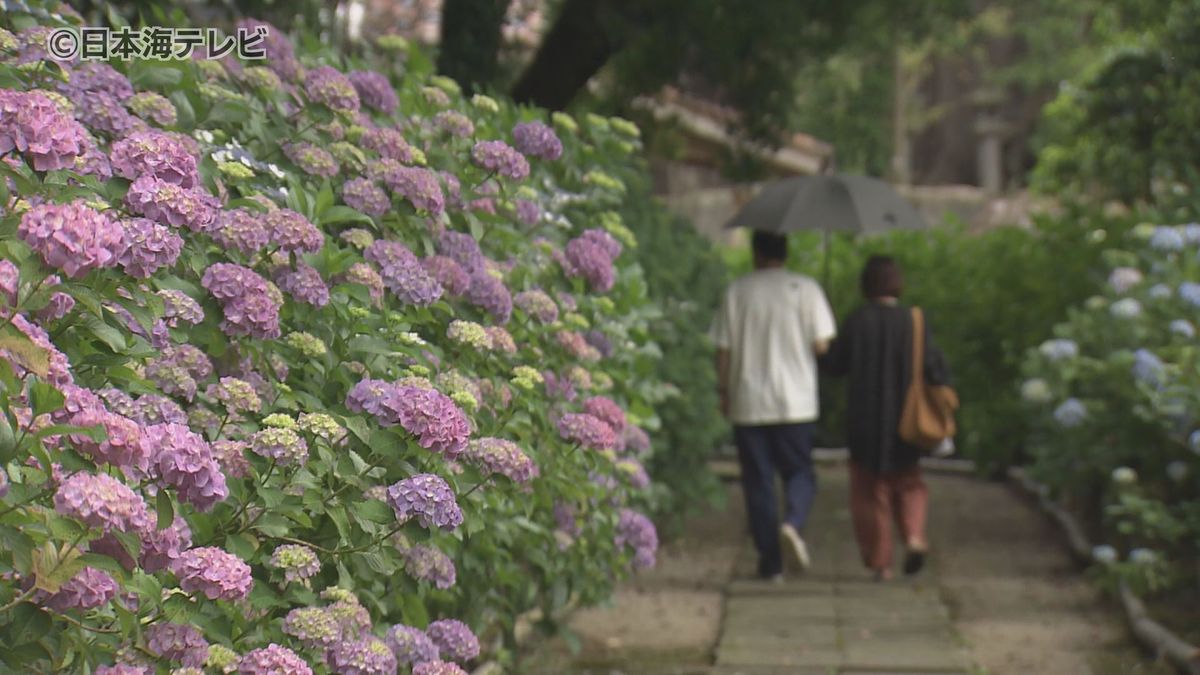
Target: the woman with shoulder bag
(892, 416)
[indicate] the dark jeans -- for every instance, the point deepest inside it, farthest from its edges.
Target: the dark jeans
(762, 450)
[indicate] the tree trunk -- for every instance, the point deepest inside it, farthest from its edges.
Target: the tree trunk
(470, 42)
(571, 53)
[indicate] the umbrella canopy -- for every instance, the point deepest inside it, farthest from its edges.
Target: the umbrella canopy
(833, 203)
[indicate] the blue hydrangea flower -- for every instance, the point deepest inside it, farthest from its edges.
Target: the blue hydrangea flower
(1104, 554)
(1194, 441)
(1160, 292)
(1183, 327)
(1071, 413)
(1191, 233)
(1059, 349)
(1166, 239)
(1190, 292)
(1126, 308)
(1147, 367)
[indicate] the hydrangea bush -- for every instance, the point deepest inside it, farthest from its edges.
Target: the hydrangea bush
(307, 366)
(1116, 396)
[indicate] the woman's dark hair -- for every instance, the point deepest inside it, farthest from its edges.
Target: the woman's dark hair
(769, 246)
(881, 278)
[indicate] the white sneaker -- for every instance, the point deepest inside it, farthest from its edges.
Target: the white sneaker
(795, 546)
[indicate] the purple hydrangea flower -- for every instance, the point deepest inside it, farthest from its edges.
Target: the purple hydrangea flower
(453, 188)
(403, 273)
(236, 395)
(155, 409)
(241, 230)
(502, 340)
(499, 157)
(312, 160)
(453, 278)
(363, 194)
(272, 660)
(490, 294)
(352, 618)
(607, 411)
(587, 430)
(88, 589)
(59, 306)
(454, 123)
(283, 445)
(528, 212)
(390, 145)
(496, 455)
(314, 627)
(463, 249)
(420, 186)
(10, 281)
(297, 562)
(454, 639)
(600, 341)
(558, 387)
(304, 284)
(72, 237)
(537, 304)
(32, 124)
(59, 373)
(637, 440)
(103, 113)
(213, 572)
(576, 345)
(231, 455)
(229, 282)
(326, 85)
(374, 90)
(427, 563)
(428, 498)
(160, 548)
(437, 422)
(367, 396)
(537, 140)
(154, 107)
(437, 668)
(184, 461)
(636, 530)
(281, 56)
(95, 77)
(172, 204)
(153, 153)
(177, 642)
(122, 669)
(368, 656)
(149, 247)
(365, 275)
(291, 231)
(410, 645)
(93, 162)
(101, 501)
(588, 257)
(180, 307)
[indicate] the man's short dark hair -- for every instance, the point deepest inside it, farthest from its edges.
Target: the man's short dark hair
(769, 246)
(881, 278)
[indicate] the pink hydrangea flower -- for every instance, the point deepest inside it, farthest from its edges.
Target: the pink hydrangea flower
(74, 238)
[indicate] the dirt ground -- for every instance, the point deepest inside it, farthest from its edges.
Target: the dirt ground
(1017, 599)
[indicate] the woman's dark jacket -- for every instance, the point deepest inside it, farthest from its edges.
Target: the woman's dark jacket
(874, 348)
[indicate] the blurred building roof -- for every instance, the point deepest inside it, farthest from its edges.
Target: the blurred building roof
(710, 125)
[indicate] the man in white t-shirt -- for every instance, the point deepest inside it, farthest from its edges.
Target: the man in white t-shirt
(771, 327)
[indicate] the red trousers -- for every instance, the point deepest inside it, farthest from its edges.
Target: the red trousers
(878, 500)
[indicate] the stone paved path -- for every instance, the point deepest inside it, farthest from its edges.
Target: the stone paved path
(834, 619)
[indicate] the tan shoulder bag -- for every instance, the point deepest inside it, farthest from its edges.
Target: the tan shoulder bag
(928, 415)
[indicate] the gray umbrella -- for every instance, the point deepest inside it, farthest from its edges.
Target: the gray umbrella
(830, 203)
(833, 203)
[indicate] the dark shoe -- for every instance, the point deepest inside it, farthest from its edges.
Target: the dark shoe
(914, 562)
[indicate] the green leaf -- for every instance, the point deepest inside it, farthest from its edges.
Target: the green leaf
(29, 624)
(165, 509)
(414, 610)
(24, 352)
(45, 398)
(374, 511)
(343, 214)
